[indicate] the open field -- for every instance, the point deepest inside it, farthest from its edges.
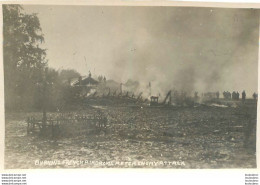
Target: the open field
(179, 137)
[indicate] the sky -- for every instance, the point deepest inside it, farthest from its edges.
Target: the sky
(182, 48)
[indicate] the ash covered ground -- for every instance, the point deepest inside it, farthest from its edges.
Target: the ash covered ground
(202, 136)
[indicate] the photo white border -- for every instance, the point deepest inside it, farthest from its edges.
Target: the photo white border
(187, 175)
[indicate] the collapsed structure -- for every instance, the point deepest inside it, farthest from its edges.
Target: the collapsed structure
(102, 91)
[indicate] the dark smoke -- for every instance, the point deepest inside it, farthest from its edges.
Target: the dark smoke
(182, 48)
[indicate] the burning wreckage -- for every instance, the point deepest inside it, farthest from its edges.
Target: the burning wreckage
(101, 92)
(206, 130)
(98, 92)
(56, 117)
(96, 95)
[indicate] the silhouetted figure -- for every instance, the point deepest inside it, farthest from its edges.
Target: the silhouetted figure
(255, 96)
(100, 78)
(196, 95)
(217, 95)
(234, 95)
(229, 95)
(225, 95)
(243, 95)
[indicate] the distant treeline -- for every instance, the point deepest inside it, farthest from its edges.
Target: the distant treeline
(27, 82)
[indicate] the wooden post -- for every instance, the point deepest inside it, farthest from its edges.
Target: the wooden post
(52, 129)
(33, 122)
(28, 125)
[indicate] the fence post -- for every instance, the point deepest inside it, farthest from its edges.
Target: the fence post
(33, 123)
(28, 120)
(52, 129)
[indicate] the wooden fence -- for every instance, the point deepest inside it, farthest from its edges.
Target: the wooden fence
(67, 126)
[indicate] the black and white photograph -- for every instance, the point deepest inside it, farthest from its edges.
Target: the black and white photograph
(158, 87)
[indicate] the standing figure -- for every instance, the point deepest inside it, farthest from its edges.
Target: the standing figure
(217, 94)
(233, 95)
(243, 95)
(229, 95)
(225, 95)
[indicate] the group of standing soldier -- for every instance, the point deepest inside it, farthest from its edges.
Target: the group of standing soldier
(226, 95)
(235, 95)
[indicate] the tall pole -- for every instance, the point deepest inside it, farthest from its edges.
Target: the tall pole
(121, 89)
(150, 89)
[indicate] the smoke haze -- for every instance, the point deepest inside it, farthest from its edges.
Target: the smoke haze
(183, 48)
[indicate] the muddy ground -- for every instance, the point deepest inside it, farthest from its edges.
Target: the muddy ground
(141, 137)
